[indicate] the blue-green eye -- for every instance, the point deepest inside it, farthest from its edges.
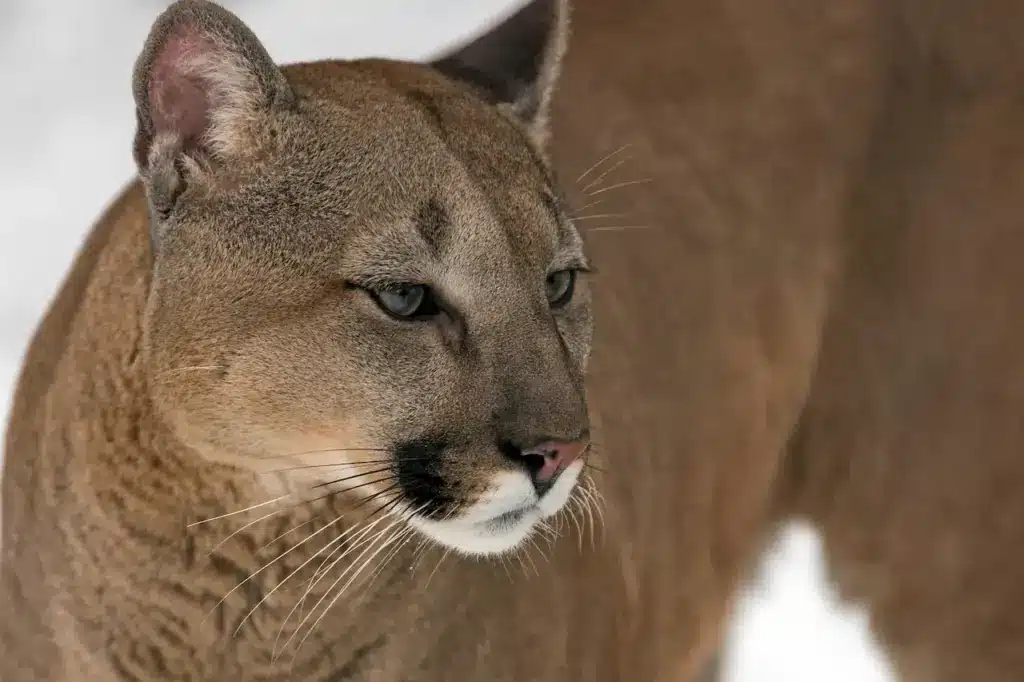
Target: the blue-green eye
(559, 287)
(406, 301)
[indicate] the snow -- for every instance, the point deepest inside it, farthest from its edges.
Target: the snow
(68, 122)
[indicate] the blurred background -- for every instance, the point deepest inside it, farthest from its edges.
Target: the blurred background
(65, 149)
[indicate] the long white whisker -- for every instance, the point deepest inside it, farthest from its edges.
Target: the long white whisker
(439, 562)
(590, 515)
(548, 532)
(355, 543)
(419, 553)
(556, 523)
(529, 557)
(336, 540)
(597, 181)
(618, 228)
(603, 159)
(359, 541)
(543, 554)
(246, 526)
(595, 216)
(571, 508)
(504, 564)
(522, 562)
(590, 204)
(342, 591)
(408, 534)
(599, 504)
(240, 511)
(369, 546)
(617, 185)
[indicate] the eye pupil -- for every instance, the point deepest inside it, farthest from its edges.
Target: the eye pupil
(559, 287)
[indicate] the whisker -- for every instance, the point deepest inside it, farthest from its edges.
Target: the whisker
(439, 562)
(409, 535)
(618, 185)
(504, 564)
(340, 538)
(532, 562)
(390, 488)
(603, 159)
(349, 489)
(395, 537)
(387, 508)
(549, 533)
(369, 546)
(599, 504)
(248, 525)
(595, 507)
(617, 228)
(267, 565)
(522, 562)
(590, 516)
(356, 543)
(304, 564)
(325, 496)
(274, 513)
(591, 204)
(543, 554)
(420, 552)
(573, 501)
(597, 181)
(240, 511)
(359, 475)
(595, 216)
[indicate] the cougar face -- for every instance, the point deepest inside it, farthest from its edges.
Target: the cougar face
(364, 270)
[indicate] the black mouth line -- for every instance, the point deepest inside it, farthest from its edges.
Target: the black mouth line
(509, 518)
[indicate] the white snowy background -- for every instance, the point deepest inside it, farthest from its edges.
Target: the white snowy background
(66, 124)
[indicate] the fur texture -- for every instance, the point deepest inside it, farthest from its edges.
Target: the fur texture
(817, 320)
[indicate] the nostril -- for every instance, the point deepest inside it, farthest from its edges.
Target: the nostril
(536, 461)
(544, 462)
(533, 460)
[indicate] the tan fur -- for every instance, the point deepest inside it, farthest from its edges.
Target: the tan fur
(823, 321)
(820, 320)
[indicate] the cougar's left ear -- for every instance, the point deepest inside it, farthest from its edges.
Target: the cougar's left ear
(516, 64)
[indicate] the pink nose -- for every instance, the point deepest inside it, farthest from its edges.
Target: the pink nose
(550, 458)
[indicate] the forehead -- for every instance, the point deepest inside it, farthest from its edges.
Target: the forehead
(417, 163)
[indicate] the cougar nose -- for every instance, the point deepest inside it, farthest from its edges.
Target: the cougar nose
(545, 461)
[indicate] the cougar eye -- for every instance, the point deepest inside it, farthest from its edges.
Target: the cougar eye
(559, 287)
(406, 301)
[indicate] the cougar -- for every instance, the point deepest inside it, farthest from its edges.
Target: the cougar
(316, 400)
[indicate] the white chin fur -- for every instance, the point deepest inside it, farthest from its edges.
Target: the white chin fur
(485, 529)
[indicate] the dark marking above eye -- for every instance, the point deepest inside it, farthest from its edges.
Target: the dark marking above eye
(434, 225)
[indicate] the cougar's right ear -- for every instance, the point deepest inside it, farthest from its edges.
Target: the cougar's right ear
(204, 85)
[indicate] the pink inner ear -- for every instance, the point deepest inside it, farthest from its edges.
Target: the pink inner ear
(178, 97)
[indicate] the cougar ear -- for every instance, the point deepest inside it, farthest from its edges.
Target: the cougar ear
(516, 64)
(202, 86)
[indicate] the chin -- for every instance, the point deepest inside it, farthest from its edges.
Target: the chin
(503, 518)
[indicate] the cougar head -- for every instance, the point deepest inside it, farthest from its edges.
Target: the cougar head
(365, 268)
